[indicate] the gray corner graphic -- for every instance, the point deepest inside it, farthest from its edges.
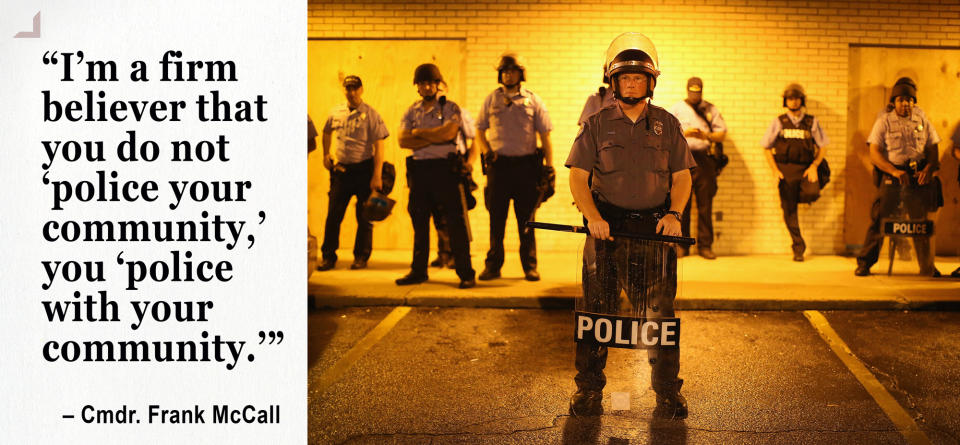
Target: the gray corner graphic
(35, 34)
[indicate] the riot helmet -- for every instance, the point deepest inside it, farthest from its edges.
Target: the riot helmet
(377, 207)
(794, 90)
(427, 72)
(632, 52)
(510, 60)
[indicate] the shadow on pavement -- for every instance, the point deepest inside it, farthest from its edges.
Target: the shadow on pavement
(581, 430)
(323, 324)
(670, 432)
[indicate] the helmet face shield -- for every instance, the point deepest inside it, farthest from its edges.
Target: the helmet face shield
(632, 53)
(636, 44)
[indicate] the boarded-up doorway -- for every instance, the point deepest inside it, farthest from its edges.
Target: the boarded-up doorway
(873, 70)
(386, 69)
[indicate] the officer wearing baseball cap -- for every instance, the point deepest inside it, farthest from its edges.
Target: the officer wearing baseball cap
(640, 166)
(703, 127)
(356, 171)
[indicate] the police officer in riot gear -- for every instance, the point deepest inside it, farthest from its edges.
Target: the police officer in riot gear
(903, 147)
(641, 182)
(429, 128)
(510, 120)
(794, 147)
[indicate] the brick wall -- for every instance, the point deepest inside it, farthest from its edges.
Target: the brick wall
(746, 52)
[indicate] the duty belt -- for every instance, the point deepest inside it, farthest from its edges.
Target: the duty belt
(516, 159)
(912, 166)
(341, 167)
(616, 212)
(414, 163)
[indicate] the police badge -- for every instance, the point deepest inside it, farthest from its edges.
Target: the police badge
(657, 128)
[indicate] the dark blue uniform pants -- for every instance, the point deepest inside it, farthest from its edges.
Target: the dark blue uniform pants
(347, 181)
(791, 187)
(513, 178)
(886, 206)
(647, 272)
(433, 184)
(704, 188)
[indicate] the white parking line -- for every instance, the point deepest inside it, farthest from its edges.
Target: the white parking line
(888, 404)
(330, 376)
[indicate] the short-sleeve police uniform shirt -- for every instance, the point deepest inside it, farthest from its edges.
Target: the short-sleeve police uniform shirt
(417, 117)
(903, 138)
(513, 122)
(816, 131)
(468, 130)
(631, 162)
(357, 131)
(689, 118)
(596, 103)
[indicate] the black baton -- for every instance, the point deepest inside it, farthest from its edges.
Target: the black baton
(580, 229)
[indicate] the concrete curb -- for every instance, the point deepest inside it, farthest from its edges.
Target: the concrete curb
(735, 283)
(693, 304)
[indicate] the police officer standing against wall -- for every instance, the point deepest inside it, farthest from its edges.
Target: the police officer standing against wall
(356, 172)
(903, 146)
(794, 147)
(509, 122)
(702, 126)
(641, 181)
(429, 128)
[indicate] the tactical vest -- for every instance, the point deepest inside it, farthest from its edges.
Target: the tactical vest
(794, 143)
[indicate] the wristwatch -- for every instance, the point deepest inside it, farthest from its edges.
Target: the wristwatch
(675, 213)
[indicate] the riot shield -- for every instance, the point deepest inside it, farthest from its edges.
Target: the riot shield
(629, 286)
(628, 289)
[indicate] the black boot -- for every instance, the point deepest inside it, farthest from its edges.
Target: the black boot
(586, 403)
(671, 404)
(410, 278)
